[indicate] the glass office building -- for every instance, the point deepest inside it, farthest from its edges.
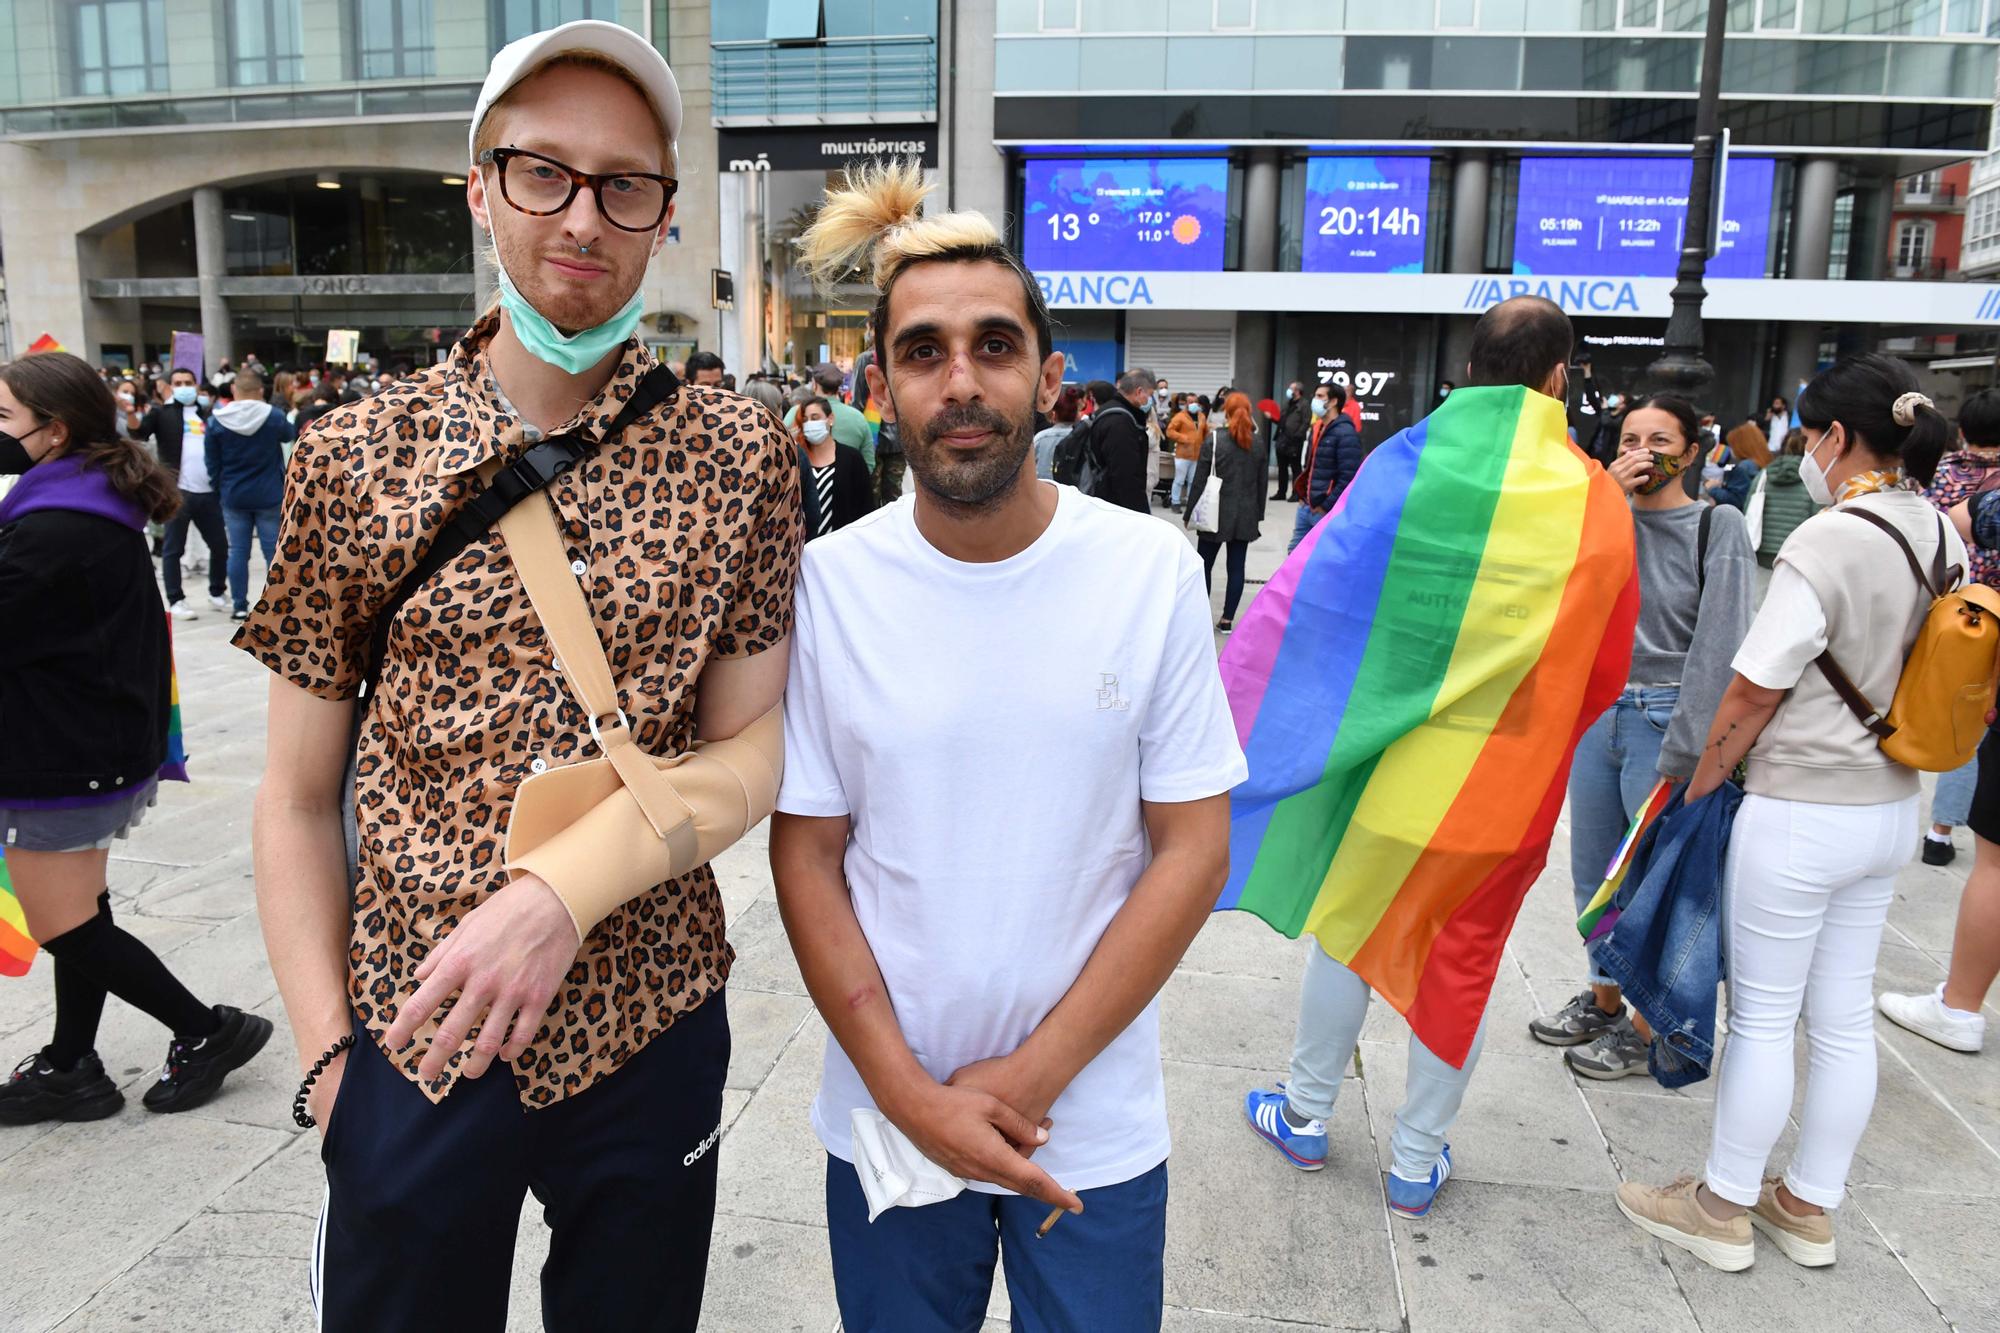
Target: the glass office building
(1254, 191)
(263, 171)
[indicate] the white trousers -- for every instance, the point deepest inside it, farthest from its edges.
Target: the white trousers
(1807, 890)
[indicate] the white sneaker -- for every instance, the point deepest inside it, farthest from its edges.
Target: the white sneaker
(1927, 1015)
(182, 611)
(218, 602)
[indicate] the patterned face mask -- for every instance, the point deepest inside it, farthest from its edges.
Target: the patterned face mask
(1665, 468)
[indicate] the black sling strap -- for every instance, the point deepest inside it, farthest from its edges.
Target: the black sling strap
(535, 469)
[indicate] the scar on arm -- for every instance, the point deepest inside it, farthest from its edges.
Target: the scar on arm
(861, 996)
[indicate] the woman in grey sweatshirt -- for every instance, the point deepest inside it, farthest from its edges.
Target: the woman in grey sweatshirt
(1697, 593)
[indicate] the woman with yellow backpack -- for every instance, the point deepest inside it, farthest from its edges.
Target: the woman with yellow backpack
(1830, 817)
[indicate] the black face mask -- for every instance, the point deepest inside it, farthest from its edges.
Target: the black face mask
(14, 456)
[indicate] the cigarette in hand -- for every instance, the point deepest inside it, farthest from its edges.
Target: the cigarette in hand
(1055, 1215)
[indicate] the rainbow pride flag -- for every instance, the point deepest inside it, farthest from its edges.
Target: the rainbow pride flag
(17, 947)
(1600, 916)
(873, 416)
(1410, 688)
(175, 768)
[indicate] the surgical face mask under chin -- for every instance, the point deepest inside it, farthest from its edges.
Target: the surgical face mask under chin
(816, 432)
(576, 352)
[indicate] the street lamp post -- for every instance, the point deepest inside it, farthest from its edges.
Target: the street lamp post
(1681, 368)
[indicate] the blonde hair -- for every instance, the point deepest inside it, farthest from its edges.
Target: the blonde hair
(875, 217)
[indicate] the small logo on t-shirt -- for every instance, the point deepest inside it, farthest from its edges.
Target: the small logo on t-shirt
(1107, 694)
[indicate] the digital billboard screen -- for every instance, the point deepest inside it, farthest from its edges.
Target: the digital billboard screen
(1139, 214)
(1366, 214)
(1625, 216)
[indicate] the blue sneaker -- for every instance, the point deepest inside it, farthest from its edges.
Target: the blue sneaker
(1303, 1148)
(1412, 1198)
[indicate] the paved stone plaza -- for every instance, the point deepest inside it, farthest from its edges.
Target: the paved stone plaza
(205, 1220)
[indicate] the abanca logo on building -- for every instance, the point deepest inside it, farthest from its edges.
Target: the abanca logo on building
(1581, 296)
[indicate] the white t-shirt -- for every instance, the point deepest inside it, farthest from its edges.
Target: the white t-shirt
(1788, 634)
(194, 452)
(992, 729)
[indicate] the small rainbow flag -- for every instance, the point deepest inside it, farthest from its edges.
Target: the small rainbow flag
(46, 343)
(17, 947)
(1410, 688)
(175, 768)
(1598, 918)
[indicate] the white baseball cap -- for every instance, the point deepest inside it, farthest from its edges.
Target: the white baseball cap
(613, 41)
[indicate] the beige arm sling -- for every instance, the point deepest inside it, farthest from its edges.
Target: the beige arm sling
(603, 831)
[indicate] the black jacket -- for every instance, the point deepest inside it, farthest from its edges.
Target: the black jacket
(1296, 423)
(85, 692)
(853, 489)
(1124, 456)
(165, 425)
(1335, 456)
(1244, 474)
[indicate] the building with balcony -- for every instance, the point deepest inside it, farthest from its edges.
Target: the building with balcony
(262, 171)
(1254, 191)
(1927, 226)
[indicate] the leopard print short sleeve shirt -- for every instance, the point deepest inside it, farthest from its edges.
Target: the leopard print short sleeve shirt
(685, 535)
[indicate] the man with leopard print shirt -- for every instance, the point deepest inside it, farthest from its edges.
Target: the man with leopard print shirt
(684, 532)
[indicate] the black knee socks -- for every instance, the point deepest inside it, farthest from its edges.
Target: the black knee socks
(99, 957)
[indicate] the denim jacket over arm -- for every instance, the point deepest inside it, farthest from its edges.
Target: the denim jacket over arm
(1666, 950)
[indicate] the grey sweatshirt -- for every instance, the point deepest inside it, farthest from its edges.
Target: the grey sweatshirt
(1689, 629)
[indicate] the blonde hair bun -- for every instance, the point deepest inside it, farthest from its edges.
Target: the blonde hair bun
(876, 211)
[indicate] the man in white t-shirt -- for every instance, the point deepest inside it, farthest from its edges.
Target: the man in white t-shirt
(988, 873)
(179, 431)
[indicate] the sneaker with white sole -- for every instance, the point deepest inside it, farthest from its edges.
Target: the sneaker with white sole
(1575, 1024)
(218, 602)
(1618, 1052)
(1929, 1016)
(1807, 1241)
(1673, 1214)
(181, 610)
(1304, 1148)
(1413, 1198)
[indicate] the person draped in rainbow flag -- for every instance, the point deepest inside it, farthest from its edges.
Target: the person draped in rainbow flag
(1409, 690)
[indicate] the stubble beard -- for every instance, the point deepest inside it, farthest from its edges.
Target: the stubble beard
(969, 485)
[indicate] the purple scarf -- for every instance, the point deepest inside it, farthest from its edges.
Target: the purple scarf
(69, 483)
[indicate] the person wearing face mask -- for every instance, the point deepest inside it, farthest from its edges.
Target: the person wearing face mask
(1333, 456)
(478, 1016)
(246, 457)
(1120, 445)
(1184, 429)
(1697, 591)
(1828, 822)
(85, 706)
(1294, 424)
(836, 487)
(178, 429)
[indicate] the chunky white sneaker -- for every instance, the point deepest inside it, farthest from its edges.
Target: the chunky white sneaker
(1927, 1015)
(218, 602)
(182, 611)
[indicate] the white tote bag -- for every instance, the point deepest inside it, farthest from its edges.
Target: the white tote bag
(1753, 516)
(1206, 516)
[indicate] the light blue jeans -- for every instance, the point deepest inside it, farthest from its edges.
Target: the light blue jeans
(240, 523)
(1303, 523)
(1331, 1010)
(1617, 765)
(1951, 803)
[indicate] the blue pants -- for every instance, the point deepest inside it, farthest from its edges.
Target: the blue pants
(239, 523)
(1331, 1010)
(1617, 765)
(1302, 524)
(1951, 803)
(930, 1269)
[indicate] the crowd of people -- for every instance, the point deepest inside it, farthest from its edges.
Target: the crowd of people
(497, 773)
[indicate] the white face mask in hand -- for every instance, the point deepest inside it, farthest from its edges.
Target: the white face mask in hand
(1814, 476)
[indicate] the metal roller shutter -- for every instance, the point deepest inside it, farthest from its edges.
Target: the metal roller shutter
(1190, 360)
